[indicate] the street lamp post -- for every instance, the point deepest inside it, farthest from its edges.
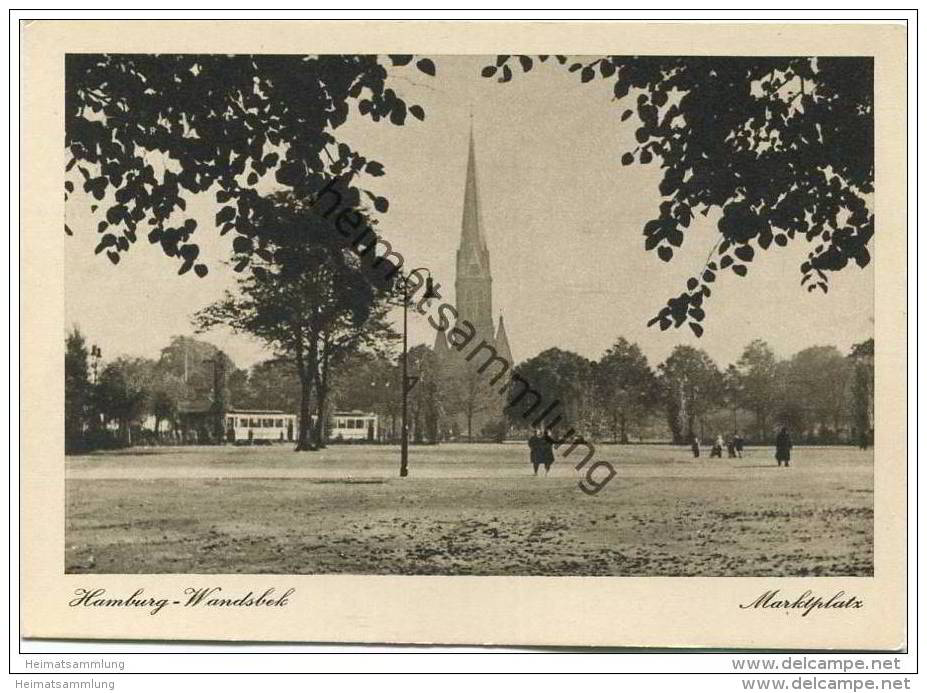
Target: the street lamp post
(429, 294)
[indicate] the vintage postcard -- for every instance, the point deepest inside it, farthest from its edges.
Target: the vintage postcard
(511, 333)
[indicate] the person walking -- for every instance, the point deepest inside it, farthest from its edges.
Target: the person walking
(696, 447)
(731, 448)
(783, 447)
(547, 451)
(534, 449)
(739, 444)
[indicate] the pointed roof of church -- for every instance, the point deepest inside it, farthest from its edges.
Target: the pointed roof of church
(471, 237)
(502, 342)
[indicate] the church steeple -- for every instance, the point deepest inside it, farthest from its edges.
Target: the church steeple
(472, 239)
(483, 416)
(474, 280)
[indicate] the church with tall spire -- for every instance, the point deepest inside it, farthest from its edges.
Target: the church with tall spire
(480, 407)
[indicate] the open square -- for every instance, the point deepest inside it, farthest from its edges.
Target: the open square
(468, 510)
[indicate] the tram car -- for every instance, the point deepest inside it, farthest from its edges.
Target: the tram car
(259, 426)
(353, 426)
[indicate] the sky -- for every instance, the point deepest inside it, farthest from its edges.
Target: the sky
(563, 223)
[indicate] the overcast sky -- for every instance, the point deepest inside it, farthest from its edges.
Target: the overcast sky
(563, 222)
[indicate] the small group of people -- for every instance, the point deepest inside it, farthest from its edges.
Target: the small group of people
(541, 448)
(734, 445)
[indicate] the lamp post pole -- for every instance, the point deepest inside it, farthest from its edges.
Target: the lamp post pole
(429, 293)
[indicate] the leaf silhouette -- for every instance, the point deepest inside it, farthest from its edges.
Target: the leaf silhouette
(426, 66)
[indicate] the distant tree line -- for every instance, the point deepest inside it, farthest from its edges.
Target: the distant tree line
(820, 394)
(129, 400)
(132, 400)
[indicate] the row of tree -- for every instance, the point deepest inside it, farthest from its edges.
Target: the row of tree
(107, 402)
(129, 399)
(820, 394)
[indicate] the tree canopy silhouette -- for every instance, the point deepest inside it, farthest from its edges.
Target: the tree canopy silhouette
(692, 387)
(781, 147)
(144, 132)
(624, 387)
(312, 298)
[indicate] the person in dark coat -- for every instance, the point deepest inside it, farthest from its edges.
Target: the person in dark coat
(696, 447)
(731, 448)
(783, 447)
(547, 451)
(739, 444)
(534, 447)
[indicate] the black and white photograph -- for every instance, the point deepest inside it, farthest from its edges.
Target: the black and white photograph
(505, 315)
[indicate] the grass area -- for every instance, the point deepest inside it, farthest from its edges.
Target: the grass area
(467, 510)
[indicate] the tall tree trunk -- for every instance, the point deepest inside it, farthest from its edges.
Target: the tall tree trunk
(624, 428)
(321, 386)
(302, 439)
(674, 420)
(417, 429)
(321, 397)
(306, 377)
(432, 426)
(319, 433)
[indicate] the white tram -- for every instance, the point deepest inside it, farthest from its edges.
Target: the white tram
(259, 426)
(353, 426)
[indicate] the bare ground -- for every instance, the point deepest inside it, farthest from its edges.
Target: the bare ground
(467, 510)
